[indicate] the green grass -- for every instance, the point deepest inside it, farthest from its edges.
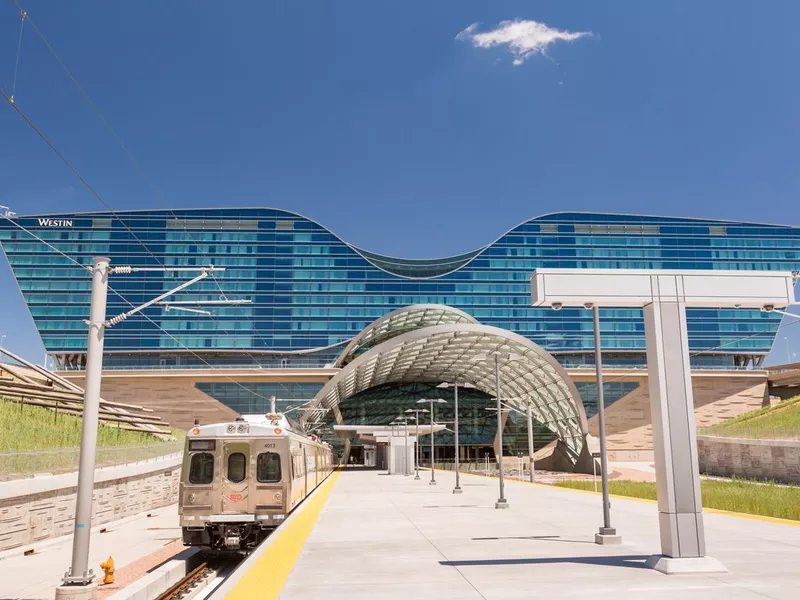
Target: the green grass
(25, 428)
(736, 495)
(781, 421)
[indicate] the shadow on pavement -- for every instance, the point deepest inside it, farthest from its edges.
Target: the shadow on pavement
(544, 538)
(634, 561)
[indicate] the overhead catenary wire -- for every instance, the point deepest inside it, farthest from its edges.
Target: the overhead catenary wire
(77, 173)
(137, 165)
(22, 15)
(129, 303)
(88, 100)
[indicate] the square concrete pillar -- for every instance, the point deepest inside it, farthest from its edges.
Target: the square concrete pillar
(664, 296)
(680, 510)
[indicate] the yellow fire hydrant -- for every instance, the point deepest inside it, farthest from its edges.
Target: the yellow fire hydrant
(108, 569)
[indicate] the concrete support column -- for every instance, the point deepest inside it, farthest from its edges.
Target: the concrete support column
(680, 510)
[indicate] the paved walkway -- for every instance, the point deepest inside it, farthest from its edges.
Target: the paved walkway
(36, 576)
(383, 536)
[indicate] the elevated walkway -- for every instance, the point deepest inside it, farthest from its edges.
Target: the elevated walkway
(369, 535)
(784, 380)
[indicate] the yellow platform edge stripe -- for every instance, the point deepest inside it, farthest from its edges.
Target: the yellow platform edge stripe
(716, 511)
(267, 576)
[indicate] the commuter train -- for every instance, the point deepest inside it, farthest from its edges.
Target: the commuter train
(240, 480)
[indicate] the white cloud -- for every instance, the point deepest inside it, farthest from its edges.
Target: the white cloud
(523, 38)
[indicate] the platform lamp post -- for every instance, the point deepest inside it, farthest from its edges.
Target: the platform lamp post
(457, 489)
(433, 443)
(416, 412)
(529, 415)
(406, 470)
(606, 532)
(529, 418)
(497, 357)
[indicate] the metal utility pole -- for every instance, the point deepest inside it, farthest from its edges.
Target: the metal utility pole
(501, 501)
(530, 442)
(606, 529)
(79, 572)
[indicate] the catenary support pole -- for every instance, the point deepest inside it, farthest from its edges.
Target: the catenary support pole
(457, 489)
(606, 534)
(79, 572)
(501, 501)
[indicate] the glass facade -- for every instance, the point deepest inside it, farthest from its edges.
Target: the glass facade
(311, 292)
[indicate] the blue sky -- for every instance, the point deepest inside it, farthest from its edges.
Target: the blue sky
(372, 118)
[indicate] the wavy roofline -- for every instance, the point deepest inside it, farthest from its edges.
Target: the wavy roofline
(452, 258)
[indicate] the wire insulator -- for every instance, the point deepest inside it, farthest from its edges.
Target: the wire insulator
(117, 319)
(124, 270)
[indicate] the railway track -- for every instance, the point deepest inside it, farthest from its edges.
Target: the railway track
(195, 582)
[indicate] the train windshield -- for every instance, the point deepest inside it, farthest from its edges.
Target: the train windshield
(268, 467)
(237, 467)
(201, 469)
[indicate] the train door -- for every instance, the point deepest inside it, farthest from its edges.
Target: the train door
(305, 473)
(235, 476)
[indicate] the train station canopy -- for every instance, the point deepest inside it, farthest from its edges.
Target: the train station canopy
(401, 321)
(462, 351)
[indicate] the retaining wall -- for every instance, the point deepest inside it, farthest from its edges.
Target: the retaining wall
(776, 460)
(33, 510)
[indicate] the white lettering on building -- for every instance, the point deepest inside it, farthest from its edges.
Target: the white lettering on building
(55, 223)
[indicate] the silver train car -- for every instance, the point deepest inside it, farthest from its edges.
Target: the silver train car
(240, 480)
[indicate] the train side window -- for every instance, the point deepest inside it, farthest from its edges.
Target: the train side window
(201, 469)
(237, 467)
(268, 467)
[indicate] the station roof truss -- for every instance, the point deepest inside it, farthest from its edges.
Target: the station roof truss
(452, 353)
(397, 322)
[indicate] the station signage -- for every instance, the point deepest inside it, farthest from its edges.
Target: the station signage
(55, 222)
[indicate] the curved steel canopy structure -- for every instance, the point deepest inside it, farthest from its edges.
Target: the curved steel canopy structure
(453, 352)
(397, 322)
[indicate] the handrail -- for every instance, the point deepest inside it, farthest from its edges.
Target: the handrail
(32, 463)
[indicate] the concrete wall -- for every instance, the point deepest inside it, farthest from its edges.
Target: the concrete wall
(174, 397)
(718, 396)
(33, 510)
(776, 460)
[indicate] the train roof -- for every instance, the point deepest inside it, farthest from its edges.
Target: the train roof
(268, 425)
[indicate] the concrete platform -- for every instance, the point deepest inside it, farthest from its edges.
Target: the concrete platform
(36, 576)
(381, 536)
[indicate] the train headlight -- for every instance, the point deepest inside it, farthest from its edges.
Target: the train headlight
(277, 496)
(231, 428)
(242, 428)
(277, 431)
